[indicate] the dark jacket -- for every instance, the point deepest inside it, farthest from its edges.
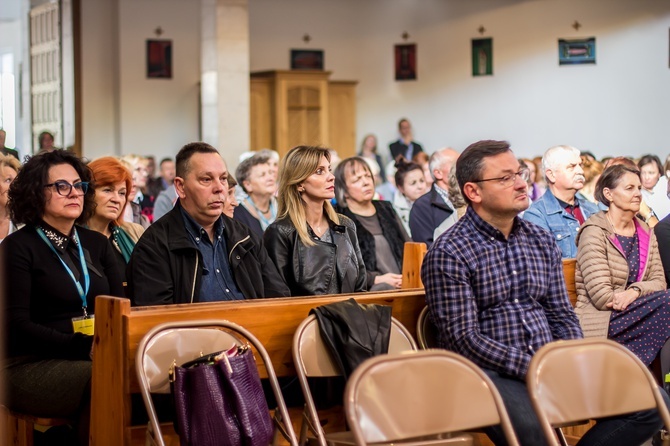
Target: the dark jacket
(10, 152)
(354, 332)
(307, 270)
(166, 266)
(662, 231)
(398, 148)
(392, 230)
(427, 213)
(244, 216)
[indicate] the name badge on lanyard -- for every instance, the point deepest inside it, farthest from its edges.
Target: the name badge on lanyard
(83, 324)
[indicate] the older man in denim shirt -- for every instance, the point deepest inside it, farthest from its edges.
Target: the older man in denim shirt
(562, 210)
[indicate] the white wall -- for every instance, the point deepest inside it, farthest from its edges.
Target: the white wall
(618, 106)
(10, 43)
(99, 78)
(123, 111)
(14, 41)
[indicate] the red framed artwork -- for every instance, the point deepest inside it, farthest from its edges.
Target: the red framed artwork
(159, 59)
(405, 62)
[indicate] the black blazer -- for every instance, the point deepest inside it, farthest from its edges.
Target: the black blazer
(399, 148)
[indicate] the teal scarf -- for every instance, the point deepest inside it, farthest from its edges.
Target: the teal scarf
(123, 241)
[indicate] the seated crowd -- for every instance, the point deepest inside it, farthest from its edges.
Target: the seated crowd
(497, 229)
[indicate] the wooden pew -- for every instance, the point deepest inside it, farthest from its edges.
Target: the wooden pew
(119, 329)
(569, 276)
(412, 259)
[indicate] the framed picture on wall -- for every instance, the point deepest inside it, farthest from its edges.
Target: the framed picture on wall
(307, 59)
(159, 59)
(577, 51)
(405, 62)
(482, 57)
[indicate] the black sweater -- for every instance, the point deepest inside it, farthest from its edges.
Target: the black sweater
(42, 299)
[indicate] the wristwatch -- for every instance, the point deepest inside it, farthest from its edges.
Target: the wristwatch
(639, 291)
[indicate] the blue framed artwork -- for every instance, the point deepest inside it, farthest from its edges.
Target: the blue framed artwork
(577, 51)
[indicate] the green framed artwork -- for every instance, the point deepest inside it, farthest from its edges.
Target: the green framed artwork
(482, 57)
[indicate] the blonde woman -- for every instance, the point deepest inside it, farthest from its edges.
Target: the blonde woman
(137, 201)
(314, 248)
(9, 169)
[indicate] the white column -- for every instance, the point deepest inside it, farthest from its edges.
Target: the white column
(225, 77)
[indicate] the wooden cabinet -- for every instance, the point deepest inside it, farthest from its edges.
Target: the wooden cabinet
(290, 108)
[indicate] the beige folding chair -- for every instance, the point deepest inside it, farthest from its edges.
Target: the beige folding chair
(570, 382)
(312, 358)
(180, 342)
(412, 397)
(426, 331)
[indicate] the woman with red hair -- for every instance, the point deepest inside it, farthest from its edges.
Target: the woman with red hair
(111, 183)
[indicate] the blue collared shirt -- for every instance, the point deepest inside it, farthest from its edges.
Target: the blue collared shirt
(217, 282)
(496, 301)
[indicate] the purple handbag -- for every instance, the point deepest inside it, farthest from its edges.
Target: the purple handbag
(219, 400)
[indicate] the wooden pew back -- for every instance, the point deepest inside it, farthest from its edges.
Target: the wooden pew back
(412, 259)
(119, 329)
(569, 276)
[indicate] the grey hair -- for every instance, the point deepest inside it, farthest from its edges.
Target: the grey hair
(437, 160)
(554, 156)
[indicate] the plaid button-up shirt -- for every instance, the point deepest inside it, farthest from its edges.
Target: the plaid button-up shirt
(496, 301)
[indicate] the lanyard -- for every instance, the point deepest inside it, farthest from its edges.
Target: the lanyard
(84, 268)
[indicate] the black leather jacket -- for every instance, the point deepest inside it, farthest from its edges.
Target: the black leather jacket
(308, 270)
(354, 332)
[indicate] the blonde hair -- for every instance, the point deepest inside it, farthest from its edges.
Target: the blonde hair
(132, 160)
(298, 164)
(10, 161)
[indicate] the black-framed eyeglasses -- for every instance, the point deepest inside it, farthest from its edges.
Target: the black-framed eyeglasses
(509, 180)
(65, 189)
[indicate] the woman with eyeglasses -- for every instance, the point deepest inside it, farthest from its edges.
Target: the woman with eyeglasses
(112, 182)
(53, 270)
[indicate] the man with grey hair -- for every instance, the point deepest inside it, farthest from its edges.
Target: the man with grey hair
(562, 210)
(434, 208)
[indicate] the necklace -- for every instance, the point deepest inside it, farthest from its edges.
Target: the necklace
(609, 220)
(253, 203)
(56, 238)
(272, 209)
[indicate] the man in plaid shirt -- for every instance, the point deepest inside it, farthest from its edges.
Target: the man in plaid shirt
(495, 289)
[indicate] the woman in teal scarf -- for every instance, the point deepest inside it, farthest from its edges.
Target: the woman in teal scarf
(112, 182)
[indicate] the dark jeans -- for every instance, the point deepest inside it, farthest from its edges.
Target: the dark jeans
(624, 430)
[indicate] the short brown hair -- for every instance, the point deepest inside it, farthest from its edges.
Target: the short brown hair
(610, 179)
